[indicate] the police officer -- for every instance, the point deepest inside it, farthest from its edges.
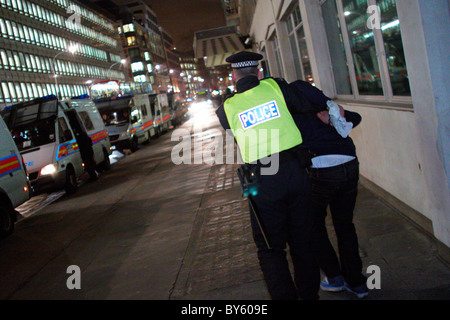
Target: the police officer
(258, 109)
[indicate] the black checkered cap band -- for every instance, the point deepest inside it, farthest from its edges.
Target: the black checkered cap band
(244, 64)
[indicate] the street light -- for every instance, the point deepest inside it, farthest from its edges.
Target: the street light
(123, 61)
(72, 49)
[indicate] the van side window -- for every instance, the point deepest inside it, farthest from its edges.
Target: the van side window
(144, 111)
(86, 120)
(63, 131)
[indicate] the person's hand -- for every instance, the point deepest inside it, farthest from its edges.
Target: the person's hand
(342, 111)
(324, 116)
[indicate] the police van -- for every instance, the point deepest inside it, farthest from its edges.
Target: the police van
(14, 184)
(159, 104)
(126, 112)
(128, 120)
(51, 136)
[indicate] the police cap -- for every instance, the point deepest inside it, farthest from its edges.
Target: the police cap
(244, 59)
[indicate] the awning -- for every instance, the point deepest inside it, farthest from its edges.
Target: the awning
(216, 45)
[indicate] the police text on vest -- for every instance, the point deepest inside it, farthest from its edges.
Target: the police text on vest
(257, 115)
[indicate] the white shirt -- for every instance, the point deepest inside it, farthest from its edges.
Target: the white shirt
(330, 160)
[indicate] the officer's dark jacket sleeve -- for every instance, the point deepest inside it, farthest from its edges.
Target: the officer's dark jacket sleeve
(220, 112)
(297, 102)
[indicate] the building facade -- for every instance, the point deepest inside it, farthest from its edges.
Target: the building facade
(387, 60)
(53, 47)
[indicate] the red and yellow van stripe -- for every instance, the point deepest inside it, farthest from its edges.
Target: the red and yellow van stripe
(66, 149)
(99, 136)
(9, 164)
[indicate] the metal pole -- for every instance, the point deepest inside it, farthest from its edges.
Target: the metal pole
(54, 73)
(109, 70)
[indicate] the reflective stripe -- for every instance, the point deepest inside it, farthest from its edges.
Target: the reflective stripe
(9, 164)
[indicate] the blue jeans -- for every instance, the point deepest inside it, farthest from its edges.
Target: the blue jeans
(337, 187)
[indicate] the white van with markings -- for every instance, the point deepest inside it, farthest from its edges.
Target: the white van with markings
(50, 135)
(14, 184)
(128, 119)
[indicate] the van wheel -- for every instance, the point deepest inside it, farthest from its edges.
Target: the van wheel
(71, 185)
(106, 164)
(6, 220)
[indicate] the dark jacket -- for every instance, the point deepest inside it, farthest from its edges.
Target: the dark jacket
(320, 138)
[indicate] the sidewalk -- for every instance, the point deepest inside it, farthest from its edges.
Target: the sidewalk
(221, 262)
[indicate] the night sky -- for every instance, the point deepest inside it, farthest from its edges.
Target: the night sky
(182, 18)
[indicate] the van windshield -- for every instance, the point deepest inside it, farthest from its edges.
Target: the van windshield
(115, 116)
(32, 124)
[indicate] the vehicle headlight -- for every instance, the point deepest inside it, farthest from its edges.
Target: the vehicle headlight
(48, 169)
(124, 134)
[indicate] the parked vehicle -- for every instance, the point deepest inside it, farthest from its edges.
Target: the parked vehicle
(178, 109)
(159, 104)
(131, 114)
(58, 140)
(14, 184)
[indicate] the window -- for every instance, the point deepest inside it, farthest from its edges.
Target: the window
(137, 66)
(276, 51)
(131, 41)
(140, 78)
(297, 40)
(86, 120)
(366, 61)
(64, 133)
(128, 28)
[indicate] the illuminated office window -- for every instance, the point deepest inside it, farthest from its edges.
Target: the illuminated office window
(12, 65)
(4, 59)
(18, 92)
(17, 61)
(12, 92)
(6, 92)
(24, 90)
(137, 66)
(131, 41)
(128, 28)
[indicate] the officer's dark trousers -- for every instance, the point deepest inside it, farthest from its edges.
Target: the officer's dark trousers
(283, 203)
(337, 187)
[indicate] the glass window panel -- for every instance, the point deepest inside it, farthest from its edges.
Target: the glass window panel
(23, 64)
(363, 49)
(4, 58)
(24, 90)
(30, 91)
(306, 64)
(6, 92)
(9, 29)
(298, 68)
(18, 92)
(15, 31)
(28, 61)
(21, 34)
(33, 62)
(11, 60)
(35, 92)
(17, 61)
(390, 27)
(3, 27)
(12, 92)
(38, 63)
(336, 46)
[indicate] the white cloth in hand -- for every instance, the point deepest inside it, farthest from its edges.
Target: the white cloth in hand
(342, 126)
